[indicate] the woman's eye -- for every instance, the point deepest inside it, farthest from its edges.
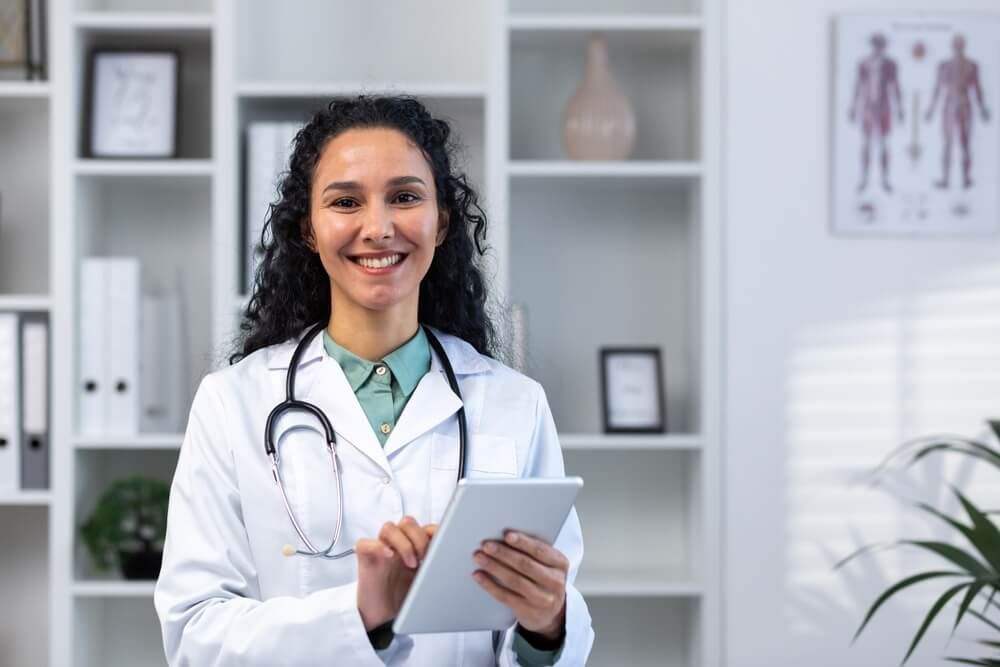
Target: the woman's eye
(412, 197)
(340, 203)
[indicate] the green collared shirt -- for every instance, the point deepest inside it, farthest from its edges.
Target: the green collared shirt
(383, 394)
(383, 387)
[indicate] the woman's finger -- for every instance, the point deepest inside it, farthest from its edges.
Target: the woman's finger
(393, 536)
(512, 580)
(372, 549)
(549, 578)
(545, 554)
(418, 538)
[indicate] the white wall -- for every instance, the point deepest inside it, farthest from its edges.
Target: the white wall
(836, 350)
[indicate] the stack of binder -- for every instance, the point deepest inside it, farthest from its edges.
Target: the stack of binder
(24, 401)
(269, 146)
(130, 353)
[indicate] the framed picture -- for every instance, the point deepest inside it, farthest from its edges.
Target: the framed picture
(632, 390)
(916, 143)
(134, 102)
(14, 33)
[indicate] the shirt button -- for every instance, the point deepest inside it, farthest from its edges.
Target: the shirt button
(385, 428)
(380, 370)
(386, 480)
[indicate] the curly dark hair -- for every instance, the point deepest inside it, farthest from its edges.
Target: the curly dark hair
(291, 289)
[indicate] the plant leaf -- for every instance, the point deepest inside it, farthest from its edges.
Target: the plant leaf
(988, 662)
(985, 620)
(957, 556)
(895, 588)
(863, 550)
(941, 602)
(986, 532)
(966, 601)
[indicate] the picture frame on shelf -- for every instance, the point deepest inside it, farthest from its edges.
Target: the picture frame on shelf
(632, 394)
(133, 103)
(14, 33)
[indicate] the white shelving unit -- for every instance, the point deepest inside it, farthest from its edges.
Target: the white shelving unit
(501, 71)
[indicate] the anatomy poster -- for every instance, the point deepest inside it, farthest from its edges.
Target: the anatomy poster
(915, 128)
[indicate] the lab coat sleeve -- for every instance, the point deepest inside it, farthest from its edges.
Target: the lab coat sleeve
(207, 596)
(544, 459)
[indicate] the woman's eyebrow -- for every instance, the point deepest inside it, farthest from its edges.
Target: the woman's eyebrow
(392, 182)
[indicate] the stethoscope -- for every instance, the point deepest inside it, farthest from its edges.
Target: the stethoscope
(291, 403)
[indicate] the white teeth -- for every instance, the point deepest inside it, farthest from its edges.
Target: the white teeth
(379, 263)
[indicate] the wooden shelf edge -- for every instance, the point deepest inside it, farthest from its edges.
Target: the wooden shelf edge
(24, 302)
(313, 89)
(159, 21)
(637, 22)
(25, 498)
(112, 589)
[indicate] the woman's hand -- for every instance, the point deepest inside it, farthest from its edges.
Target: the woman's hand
(386, 567)
(529, 576)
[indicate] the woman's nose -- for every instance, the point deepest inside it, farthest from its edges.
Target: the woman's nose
(377, 222)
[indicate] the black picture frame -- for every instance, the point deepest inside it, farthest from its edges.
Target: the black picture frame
(89, 120)
(607, 355)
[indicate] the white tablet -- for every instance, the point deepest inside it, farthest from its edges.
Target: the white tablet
(444, 597)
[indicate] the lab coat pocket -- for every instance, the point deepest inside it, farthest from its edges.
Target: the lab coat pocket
(488, 456)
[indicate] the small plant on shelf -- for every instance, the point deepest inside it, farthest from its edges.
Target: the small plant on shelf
(128, 526)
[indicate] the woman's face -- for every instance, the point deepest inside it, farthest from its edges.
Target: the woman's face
(373, 202)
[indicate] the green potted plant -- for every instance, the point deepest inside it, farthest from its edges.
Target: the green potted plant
(128, 526)
(972, 570)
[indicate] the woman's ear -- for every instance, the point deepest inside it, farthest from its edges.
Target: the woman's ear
(307, 235)
(442, 234)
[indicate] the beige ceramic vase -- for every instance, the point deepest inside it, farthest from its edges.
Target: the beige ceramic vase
(598, 121)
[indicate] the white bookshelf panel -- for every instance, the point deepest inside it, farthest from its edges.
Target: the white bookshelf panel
(639, 518)
(143, 20)
(402, 42)
(645, 632)
(606, 263)
(95, 472)
(143, 6)
(572, 7)
(194, 47)
(18, 89)
(24, 580)
(117, 631)
(165, 222)
(656, 70)
(24, 195)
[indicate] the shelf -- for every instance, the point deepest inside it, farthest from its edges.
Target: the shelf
(604, 169)
(317, 89)
(165, 441)
(644, 22)
(23, 302)
(634, 583)
(143, 168)
(25, 498)
(142, 21)
(628, 441)
(24, 89)
(113, 589)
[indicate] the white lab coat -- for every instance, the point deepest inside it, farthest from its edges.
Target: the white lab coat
(227, 596)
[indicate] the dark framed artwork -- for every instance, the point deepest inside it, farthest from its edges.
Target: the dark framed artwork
(134, 102)
(22, 38)
(632, 390)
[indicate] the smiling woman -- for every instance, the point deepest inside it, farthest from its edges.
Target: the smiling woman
(373, 245)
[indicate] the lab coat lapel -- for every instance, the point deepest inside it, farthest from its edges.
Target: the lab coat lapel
(332, 393)
(433, 401)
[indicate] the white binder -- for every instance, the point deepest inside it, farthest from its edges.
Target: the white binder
(35, 402)
(10, 392)
(122, 341)
(160, 365)
(261, 187)
(93, 381)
